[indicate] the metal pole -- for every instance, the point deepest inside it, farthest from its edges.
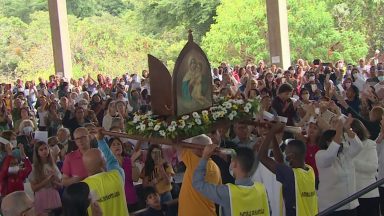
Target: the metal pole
(351, 198)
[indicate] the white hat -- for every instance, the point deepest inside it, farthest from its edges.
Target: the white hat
(200, 139)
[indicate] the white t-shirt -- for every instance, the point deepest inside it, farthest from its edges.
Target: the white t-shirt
(31, 94)
(43, 115)
(107, 121)
(273, 187)
(365, 68)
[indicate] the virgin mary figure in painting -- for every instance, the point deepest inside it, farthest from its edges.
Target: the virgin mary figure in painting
(192, 90)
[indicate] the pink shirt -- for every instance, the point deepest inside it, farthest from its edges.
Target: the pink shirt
(73, 165)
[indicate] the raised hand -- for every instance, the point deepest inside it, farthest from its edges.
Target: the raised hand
(348, 122)
(22, 151)
(277, 127)
(209, 150)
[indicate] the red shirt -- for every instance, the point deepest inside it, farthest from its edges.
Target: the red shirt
(73, 165)
(236, 76)
(13, 182)
(310, 157)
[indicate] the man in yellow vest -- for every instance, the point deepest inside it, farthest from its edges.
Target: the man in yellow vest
(106, 179)
(242, 198)
(297, 178)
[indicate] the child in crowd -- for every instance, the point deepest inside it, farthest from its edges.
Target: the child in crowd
(158, 173)
(152, 199)
(45, 179)
(12, 173)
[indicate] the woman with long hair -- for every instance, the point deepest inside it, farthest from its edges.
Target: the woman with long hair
(270, 83)
(158, 173)
(77, 198)
(42, 112)
(45, 179)
(126, 162)
(54, 119)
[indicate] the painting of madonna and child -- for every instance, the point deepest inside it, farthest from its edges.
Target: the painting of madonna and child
(193, 81)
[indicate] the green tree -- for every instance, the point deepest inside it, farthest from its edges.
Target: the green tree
(159, 16)
(83, 8)
(22, 8)
(38, 54)
(239, 32)
(114, 7)
(313, 34)
(366, 16)
(12, 45)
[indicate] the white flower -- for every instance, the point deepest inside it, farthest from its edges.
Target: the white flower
(171, 128)
(230, 116)
(162, 133)
(198, 121)
(157, 127)
(214, 116)
(234, 113)
(205, 112)
(227, 105)
(246, 109)
(150, 124)
(195, 115)
(173, 123)
(137, 127)
(142, 127)
(186, 117)
(182, 124)
(136, 119)
(248, 105)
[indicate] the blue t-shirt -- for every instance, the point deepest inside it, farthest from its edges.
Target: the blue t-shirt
(285, 175)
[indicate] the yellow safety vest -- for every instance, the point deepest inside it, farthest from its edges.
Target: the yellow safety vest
(248, 200)
(306, 197)
(109, 189)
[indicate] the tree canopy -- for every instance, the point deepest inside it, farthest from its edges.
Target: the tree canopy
(115, 36)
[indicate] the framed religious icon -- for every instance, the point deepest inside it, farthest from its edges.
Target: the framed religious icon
(192, 80)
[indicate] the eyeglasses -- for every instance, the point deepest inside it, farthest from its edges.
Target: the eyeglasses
(82, 137)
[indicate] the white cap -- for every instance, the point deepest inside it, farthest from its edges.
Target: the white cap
(200, 139)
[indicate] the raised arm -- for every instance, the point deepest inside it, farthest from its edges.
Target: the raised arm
(325, 158)
(263, 152)
(112, 162)
(217, 193)
(354, 141)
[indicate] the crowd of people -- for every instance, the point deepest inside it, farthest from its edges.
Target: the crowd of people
(56, 158)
